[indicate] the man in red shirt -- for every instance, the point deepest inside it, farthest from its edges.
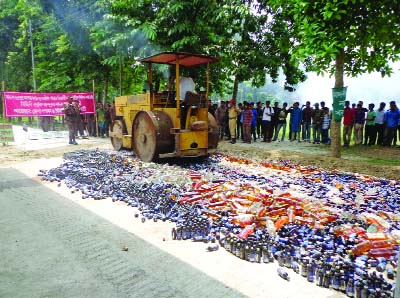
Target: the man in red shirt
(348, 122)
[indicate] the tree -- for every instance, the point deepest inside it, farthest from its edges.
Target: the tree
(238, 31)
(343, 37)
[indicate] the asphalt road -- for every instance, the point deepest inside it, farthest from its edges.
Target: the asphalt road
(51, 247)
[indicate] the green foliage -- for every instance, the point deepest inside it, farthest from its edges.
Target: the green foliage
(78, 41)
(366, 32)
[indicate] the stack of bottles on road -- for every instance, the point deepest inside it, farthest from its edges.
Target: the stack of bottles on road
(337, 230)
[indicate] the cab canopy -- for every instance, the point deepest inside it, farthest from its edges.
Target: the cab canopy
(184, 59)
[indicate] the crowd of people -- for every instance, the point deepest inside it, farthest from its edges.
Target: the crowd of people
(87, 125)
(267, 123)
(306, 123)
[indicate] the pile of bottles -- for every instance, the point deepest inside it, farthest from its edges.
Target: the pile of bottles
(338, 230)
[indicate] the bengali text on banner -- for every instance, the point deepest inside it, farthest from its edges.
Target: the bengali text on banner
(20, 104)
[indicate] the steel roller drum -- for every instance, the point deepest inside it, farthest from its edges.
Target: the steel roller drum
(151, 135)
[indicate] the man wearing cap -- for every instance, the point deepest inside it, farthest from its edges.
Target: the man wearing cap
(233, 113)
(70, 118)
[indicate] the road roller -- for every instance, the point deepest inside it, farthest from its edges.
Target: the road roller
(170, 123)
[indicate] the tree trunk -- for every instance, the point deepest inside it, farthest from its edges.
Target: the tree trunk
(235, 88)
(336, 126)
(105, 89)
(120, 76)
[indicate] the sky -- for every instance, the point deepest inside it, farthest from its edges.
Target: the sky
(370, 88)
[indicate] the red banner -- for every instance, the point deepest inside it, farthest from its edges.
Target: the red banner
(20, 104)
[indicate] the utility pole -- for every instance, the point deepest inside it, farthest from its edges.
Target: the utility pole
(33, 66)
(33, 56)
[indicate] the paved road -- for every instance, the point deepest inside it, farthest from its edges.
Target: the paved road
(51, 247)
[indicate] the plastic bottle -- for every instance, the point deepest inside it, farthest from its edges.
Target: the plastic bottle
(327, 279)
(212, 247)
(362, 247)
(290, 214)
(335, 279)
(282, 273)
(358, 286)
(248, 230)
(382, 244)
(270, 227)
(303, 269)
(310, 273)
(258, 255)
(381, 252)
(265, 254)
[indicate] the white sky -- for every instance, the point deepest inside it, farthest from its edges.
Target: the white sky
(368, 88)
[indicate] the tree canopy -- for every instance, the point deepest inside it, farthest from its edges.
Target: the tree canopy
(76, 41)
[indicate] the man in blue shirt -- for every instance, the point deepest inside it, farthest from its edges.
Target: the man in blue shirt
(392, 118)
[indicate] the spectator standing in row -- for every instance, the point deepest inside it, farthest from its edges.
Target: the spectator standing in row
(380, 124)
(365, 110)
(107, 119)
(233, 113)
(253, 121)
(247, 119)
(283, 112)
(70, 118)
(91, 124)
(260, 131)
(100, 119)
(295, 122)
(316, 117)
(348, 121)
(268, 112)
(359, 121)
(80, 121)
(239, 127)
(326, 124)
(220, 117)
(392, 119)
(370, 133)
(306, 122)
(275, 120)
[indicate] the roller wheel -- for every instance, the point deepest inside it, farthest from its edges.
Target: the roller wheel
(116, 141)
(151, 135)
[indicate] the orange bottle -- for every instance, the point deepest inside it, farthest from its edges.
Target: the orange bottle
(382, 244)
(280, 211)
(362, 247)
(381, 253)
(243, 219)
(283, 220)
(290, 214)
(376, 236)
(248, 230)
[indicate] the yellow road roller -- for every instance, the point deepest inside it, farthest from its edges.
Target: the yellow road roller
(170, 123)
